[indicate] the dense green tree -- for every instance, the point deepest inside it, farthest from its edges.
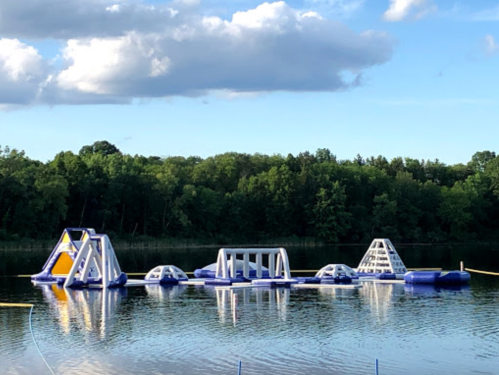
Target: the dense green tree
(384, 217)
(100, 147)
(234, 197)
(479, 160)
(331, 221)
(455, 210)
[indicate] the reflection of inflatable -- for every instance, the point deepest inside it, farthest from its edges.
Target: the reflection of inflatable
(82, 257)
(90, 309)
(231, 302)
(432, 290)
(209, 271)
(381, 298)
(382, 261)
(168, 275)
(437, 277)
(165, 292)
(336, 274)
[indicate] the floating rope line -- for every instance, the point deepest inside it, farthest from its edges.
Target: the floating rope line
(34, 340)
(5, 304)
(482, 272)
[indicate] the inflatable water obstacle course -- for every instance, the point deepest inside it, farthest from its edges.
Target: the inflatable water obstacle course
(83, 258)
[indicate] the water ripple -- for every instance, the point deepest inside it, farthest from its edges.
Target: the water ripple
(192, 330)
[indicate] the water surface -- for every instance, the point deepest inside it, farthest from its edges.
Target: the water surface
(188, 330)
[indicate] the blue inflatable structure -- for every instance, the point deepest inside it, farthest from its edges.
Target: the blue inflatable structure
(209, 272)
(437, 277)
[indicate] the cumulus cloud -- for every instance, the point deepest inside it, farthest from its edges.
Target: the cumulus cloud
(402, 9)
(22, 71)
(63, 19)
(270, 48)
(491, 46)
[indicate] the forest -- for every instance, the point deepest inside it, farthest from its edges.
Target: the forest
(242, 198)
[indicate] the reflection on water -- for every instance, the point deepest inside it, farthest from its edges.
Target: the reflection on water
(232, 302)
(89, 310)
(380, 297)
(164, 292)
(433, 290)
(196, 330)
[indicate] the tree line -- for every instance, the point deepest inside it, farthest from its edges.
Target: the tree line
(236, 197)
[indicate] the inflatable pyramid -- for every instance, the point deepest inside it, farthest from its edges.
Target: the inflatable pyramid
(381, 258)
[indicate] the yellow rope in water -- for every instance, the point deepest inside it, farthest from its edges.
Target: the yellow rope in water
(4, 304)
(482, 272)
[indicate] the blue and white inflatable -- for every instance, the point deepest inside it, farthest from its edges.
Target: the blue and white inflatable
(210, 270)
(166, 275)
(437, 277)
(381, 261)
(82, 257)
(336, 274)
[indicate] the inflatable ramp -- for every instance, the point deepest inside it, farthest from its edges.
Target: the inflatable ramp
(82, 257)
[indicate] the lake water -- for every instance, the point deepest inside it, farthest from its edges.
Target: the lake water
(188, 330)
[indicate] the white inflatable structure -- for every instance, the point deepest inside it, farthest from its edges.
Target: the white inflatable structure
(210, 270)
(336, 270)
(96, 257)
(278, 263)
(381, 258)
(82, 257)
(166, 275)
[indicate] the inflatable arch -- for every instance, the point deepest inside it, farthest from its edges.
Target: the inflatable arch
(278, 263)
(226, 267)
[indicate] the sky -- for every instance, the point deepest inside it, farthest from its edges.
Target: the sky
(409, 78)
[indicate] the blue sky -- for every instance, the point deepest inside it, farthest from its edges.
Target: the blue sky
(410, 78)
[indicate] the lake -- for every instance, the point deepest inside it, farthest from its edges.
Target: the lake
(197, 330)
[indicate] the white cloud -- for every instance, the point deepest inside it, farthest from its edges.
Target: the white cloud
(113, 8)
(107, 66)
(63, 19)
(341, 8)
(402, 9)
(22, 69)
(270, 48)
(491, 46)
